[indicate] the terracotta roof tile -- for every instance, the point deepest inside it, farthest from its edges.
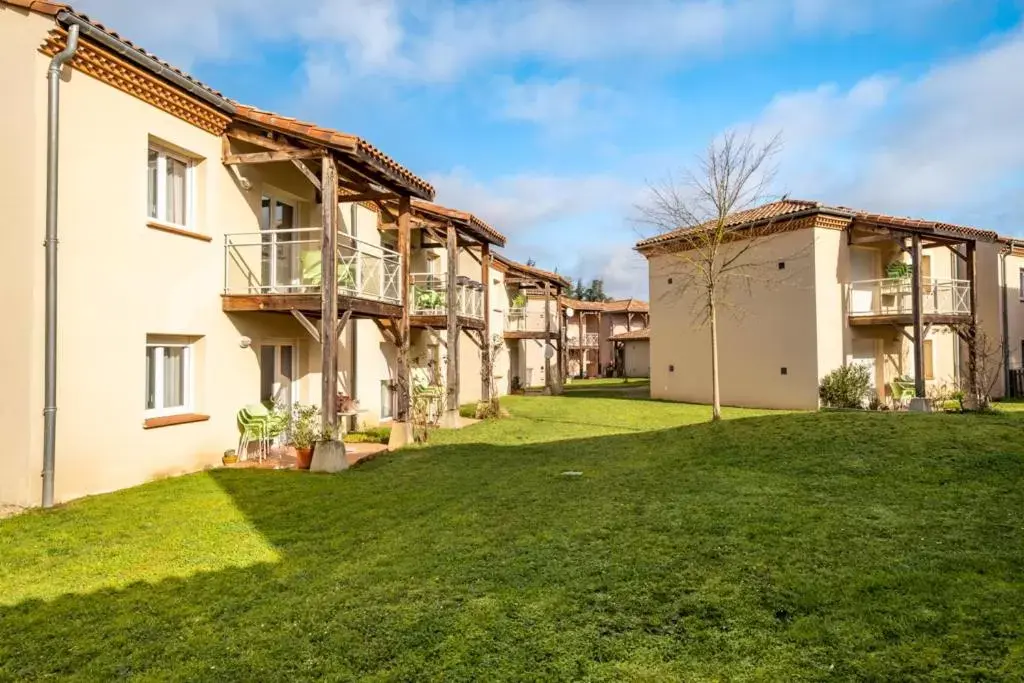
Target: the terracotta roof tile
(469, 219)
(532, 270)
(789, 208)
(632, 336)
(614, 306)
(344, 142)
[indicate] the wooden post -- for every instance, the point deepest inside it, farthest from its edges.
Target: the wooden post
(485, 348)
(972, 330)
(583, 347)
(547, 335)
(329, 297)
(915, 293)
(561, 336)
(451, 302)
(402, 361)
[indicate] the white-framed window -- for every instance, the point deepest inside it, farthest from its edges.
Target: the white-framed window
(170, 187)
(387, 399)
(170, 379)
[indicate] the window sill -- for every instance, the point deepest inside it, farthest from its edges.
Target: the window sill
(177, 230)
(171, 420)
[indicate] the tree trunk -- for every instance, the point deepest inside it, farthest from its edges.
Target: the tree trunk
(716, 399)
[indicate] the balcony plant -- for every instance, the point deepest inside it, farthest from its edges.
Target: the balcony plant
(899, 270)
(519, 300)
(428, 299)
(304, 432)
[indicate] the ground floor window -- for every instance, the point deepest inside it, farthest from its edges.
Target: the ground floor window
(387, 399)
(169, 375)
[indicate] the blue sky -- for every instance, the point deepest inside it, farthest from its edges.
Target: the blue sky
(549, 117)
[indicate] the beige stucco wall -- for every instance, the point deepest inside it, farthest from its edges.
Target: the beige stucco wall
(22, 174)
(1015, 310)
(767, 328)
(636, 358)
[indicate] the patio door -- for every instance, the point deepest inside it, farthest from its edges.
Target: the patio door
(864, 352)
(863, 268)
(278, 363)
(279, 218)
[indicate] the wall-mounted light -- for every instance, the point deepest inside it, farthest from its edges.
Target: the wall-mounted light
(244, 342)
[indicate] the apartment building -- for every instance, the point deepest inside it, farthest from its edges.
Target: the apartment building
(533, 326)
(913, 300)
(190, 285)
(591, 333)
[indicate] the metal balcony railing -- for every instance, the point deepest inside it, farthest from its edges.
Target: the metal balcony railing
(289, 262)
(589, 340)
(523, 319)
(428, 295)
(894, 296)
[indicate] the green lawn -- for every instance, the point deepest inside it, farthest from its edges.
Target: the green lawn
(771, 546)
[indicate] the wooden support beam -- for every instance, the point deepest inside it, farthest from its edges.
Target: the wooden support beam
(486, 379)
(561, 336)
(386, 211)
(310, 176)
(309, 327)
(903, 331)
(254, 138)
(478, 259)
(474, 336)
(972, 341)
(452, 328)
(547, 331)
(919, 388)
(437, 237)
(267, 157)
(342, 321)
(329, 298)
(402, 333)
(387, 332)
(367, 197)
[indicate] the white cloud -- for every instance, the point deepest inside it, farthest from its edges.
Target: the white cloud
(946, 145)
(443, 40)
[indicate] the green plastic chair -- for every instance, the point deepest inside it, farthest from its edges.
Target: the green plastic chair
(312, 271)
(252, 423)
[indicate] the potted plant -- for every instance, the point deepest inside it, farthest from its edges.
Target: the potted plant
(519, 300)
(230, 457)
(303, 433)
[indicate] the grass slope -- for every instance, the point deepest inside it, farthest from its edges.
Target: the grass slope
(770, 546)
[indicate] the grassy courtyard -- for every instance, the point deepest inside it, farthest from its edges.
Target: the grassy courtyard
(770, 546)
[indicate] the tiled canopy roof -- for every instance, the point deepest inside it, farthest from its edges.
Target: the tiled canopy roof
(788, 209)
(532, 271)
(492, 235)
(344, 142)
(635, 335)
(614, 306)
(54, 8)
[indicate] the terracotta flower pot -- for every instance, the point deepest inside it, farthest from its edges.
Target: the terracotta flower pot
(304, 457)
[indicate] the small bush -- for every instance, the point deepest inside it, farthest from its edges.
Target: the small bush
(371, 435)
(845, 387)
(468, 410)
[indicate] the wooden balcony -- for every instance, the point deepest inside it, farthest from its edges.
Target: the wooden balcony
(522, 323)
(428, 301)
(280, 270)
(890, 301)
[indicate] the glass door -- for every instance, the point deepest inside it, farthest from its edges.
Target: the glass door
(280, 253)
(277, 374)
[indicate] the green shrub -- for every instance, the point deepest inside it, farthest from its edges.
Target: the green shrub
(845, 387)
(468, 410)
(371, 435)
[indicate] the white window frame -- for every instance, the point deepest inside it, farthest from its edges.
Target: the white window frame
(161, 187)
(387, 410)
(160, 343)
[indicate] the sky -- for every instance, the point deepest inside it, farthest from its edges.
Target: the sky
(551, 119)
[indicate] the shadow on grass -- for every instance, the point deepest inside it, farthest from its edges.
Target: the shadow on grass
(787, 546)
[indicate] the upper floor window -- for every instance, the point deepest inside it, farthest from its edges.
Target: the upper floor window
(171, 187)
(1020, 291)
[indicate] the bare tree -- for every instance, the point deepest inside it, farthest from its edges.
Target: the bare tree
(717, 252)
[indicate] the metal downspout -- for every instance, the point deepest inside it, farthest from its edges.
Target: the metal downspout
(50, 244)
